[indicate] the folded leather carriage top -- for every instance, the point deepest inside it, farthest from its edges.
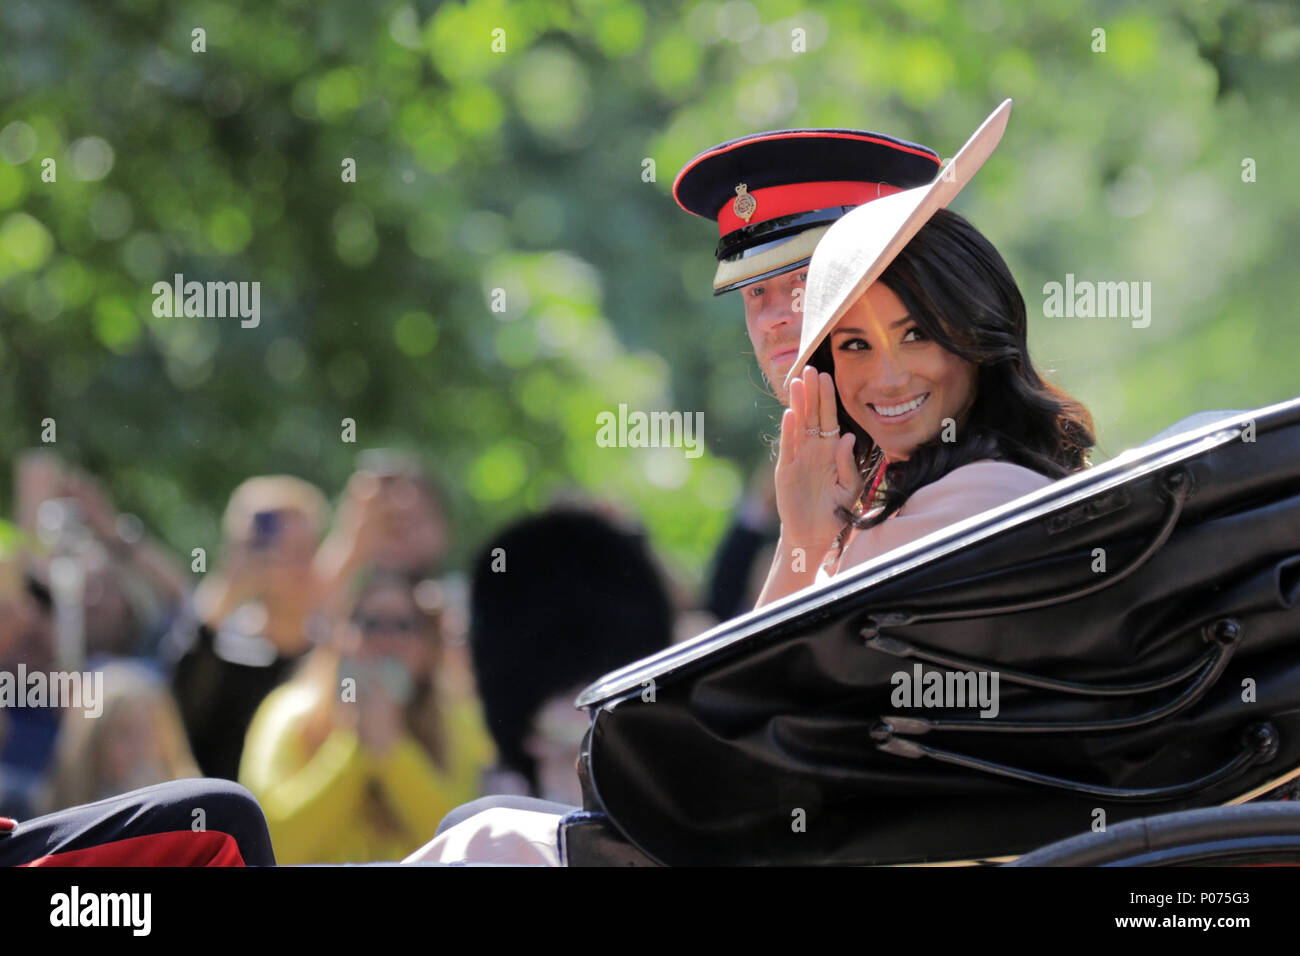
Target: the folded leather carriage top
(1142, 619)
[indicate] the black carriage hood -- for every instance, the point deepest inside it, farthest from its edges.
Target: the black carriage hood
(702, 753)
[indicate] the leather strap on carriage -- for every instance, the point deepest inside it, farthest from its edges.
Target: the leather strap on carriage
(1211, 669)
(1258, 745)
(1223, 636)
(892, 731)
(897, 647)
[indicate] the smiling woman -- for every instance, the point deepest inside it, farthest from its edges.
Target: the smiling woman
(898, 383)
(932, 369)
(914, 403)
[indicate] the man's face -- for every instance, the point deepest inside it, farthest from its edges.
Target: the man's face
(774, 317)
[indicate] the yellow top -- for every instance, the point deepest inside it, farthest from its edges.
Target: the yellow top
(322, 807)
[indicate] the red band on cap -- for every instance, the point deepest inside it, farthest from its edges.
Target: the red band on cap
(775, 201)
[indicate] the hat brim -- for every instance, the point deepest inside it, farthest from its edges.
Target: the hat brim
(735, 272)
(857, 248)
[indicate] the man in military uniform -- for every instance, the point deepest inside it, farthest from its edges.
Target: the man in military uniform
(773, 196)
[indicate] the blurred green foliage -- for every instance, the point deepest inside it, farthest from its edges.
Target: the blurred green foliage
(522, 170)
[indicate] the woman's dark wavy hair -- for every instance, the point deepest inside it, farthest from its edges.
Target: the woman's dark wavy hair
(961, 294)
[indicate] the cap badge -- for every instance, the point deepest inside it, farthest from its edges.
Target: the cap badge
(744, 205)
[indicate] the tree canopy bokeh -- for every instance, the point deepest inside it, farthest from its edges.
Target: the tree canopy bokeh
(524, 169)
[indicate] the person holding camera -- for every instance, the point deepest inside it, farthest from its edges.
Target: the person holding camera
(360, 754)
(253, 616)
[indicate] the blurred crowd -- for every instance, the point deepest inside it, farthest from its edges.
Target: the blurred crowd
(329, 659)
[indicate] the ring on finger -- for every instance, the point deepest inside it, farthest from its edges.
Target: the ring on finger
(830, 434)
(812, 432)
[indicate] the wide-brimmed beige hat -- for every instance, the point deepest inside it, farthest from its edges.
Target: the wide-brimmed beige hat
(860, 245)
